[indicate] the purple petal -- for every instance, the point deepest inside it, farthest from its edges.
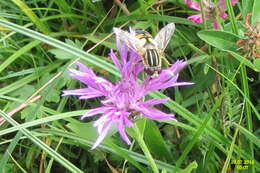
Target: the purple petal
(115, 60)
(81, 76)
(194, 5)
(152, 102)
(75, 92)
(84, 93)
(223, 15)
(222, 3)
(84, 69)
(127, 122)
(233, 2)
(167, 78)
(163, 81)
(121, 130)
(215, 24)
(98, 83)
(124, 53)
(182, 84)
(156, 114)
(102, 134)
(90, 96)
(105, 117)
(178, 65)
(168, 83)
(196, 19)
(89, 78)
(95, 111)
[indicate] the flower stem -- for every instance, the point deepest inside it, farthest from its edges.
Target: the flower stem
(140, 140)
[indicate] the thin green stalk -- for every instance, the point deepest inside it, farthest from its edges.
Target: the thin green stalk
(28, 11)
(17, 164)
(245, 88)
(42, 145)
(227, 162)
(199, 132)
(203, 14)
(140, 140)
(244, 82)
(232, 17)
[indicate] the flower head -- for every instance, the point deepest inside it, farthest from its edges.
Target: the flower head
(210, 11)
(124, 98)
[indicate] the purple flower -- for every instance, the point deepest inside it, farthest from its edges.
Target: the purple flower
(210, 11)
(124, 99)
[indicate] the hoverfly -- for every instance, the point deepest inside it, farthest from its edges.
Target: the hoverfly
(150, 49)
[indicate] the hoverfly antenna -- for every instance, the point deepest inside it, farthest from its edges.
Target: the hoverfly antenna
(131, 30)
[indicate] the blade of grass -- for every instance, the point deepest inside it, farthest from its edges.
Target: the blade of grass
(18, 53)
(244, 81)
(199, 132)
(143, 146)
(231, 149)
(18, 74)
(61, 45)
(17, 164)
(48, 169)
(65, 7)
(152, 17)
(255, 13)
(42, 121)
(107, 66)
(29, 78)
(43, 146)
(249, 135)
(111, 148)
(28, 11)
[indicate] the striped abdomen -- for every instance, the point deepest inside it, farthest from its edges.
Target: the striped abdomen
(152, 60)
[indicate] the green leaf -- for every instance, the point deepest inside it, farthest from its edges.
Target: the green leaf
(227, 42)
(255, 13)
(220, 39)
(84, 130)
(155, 141)
(27, 79)
(164, 171)
(42, 145)
(247, 6)
(18, 54)
(22, 93)
(61, 54)
(151, 17)
(88, 132)
(77, 43)
(91, 59)
(257, 63)
(249, 135)
(189, 168)
(244, 61)
(45, 120)
(33, 153)
(30, 13)
(28, 110)
(99, 37)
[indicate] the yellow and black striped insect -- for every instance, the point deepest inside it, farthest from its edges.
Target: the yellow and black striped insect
(150, 49)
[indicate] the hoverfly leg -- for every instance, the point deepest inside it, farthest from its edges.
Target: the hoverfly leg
(166, 61)
(155, 74)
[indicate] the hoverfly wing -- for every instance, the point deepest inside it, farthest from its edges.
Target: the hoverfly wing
(164, 36)
(129, 39)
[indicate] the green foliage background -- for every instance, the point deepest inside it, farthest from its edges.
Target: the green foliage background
(218, 117)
